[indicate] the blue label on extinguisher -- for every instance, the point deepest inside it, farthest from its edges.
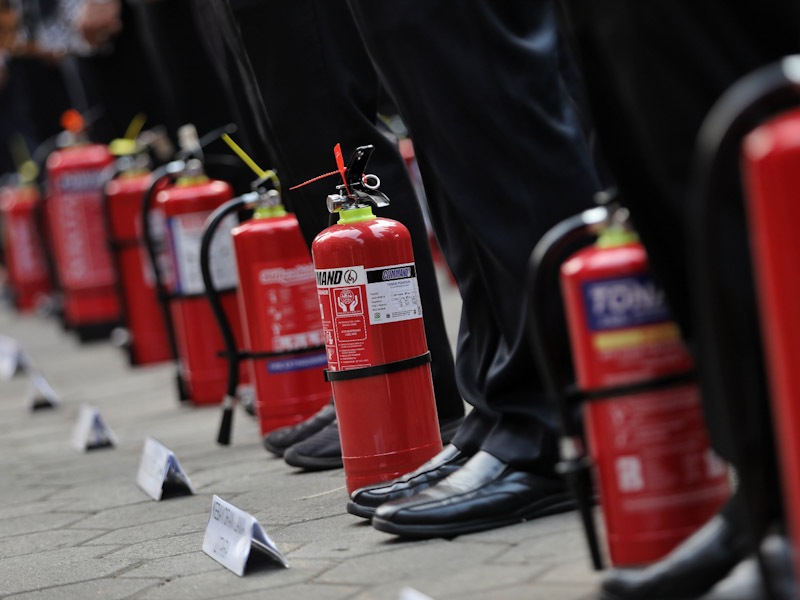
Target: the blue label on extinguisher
(286, 365)
(624, 302)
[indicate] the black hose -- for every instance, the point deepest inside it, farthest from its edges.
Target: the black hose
(231, 350)
(168, 171)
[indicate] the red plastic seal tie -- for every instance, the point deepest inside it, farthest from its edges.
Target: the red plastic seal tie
(340, 168)
(317, 178)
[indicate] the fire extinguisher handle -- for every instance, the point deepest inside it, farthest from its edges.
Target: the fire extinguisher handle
(169, 171)
(547, 255)
(213, 222)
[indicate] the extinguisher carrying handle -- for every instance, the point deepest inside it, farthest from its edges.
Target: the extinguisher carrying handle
(213, 222)
(548, 254)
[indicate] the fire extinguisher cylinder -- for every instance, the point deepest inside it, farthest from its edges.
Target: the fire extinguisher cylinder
(642, 423)
(146, 337)
(83, 263)
(374, 333)
(28, 274)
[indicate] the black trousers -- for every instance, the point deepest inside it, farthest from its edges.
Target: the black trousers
(653, 71)
(504, 158)
(319, 88)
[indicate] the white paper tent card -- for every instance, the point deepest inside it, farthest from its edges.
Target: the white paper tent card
(159, 471)
(231, 534)
(12, 359)
(409, 593)
(41, 394)
(91, 431)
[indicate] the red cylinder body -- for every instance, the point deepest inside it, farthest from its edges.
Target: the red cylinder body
(24, 250)
(143, 315)
(658, 478)
(185, 208)
(83, 261)
(371, 315)
(771, 169)
(278, 298)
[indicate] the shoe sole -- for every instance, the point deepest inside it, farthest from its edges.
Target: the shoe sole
(365, 512)
(313, 463)
(554, 505)
(276, 450)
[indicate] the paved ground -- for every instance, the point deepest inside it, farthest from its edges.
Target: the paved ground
(76, 525)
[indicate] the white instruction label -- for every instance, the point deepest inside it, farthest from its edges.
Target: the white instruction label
(393, 294)
(186, 235)
(158, 466)
(230, 535)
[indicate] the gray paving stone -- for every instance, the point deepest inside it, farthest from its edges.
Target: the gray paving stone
(56, 567)
(161, 547)
(307, 590)
(42, 522)
(32, 508)
(457, 582)
(148, 511)
(31, 543)
(105, 589)
(220, 582)
(533, 592)
(170, 567)
(551, 548)
(94, 497)
(531, 529)
(407, 561)
(571, 571)
(155, 530)
(339, 537)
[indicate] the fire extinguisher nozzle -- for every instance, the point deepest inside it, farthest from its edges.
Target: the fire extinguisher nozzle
(225, 427)
(224, 437)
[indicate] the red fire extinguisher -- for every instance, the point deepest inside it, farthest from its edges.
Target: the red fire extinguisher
(146, 336)
(657, 476)
(173, 233)
(278, 302)
(75, 176)
(374, 335)
(769, 152)
(28, 273)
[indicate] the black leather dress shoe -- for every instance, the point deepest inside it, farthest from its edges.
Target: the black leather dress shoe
(687, 572)
(280, 440)
(364, 501)
(483, 494)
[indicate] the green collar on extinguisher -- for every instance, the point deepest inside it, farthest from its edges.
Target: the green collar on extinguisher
(355, 215)
(269, 212)
(193, 180)
(616, 236)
